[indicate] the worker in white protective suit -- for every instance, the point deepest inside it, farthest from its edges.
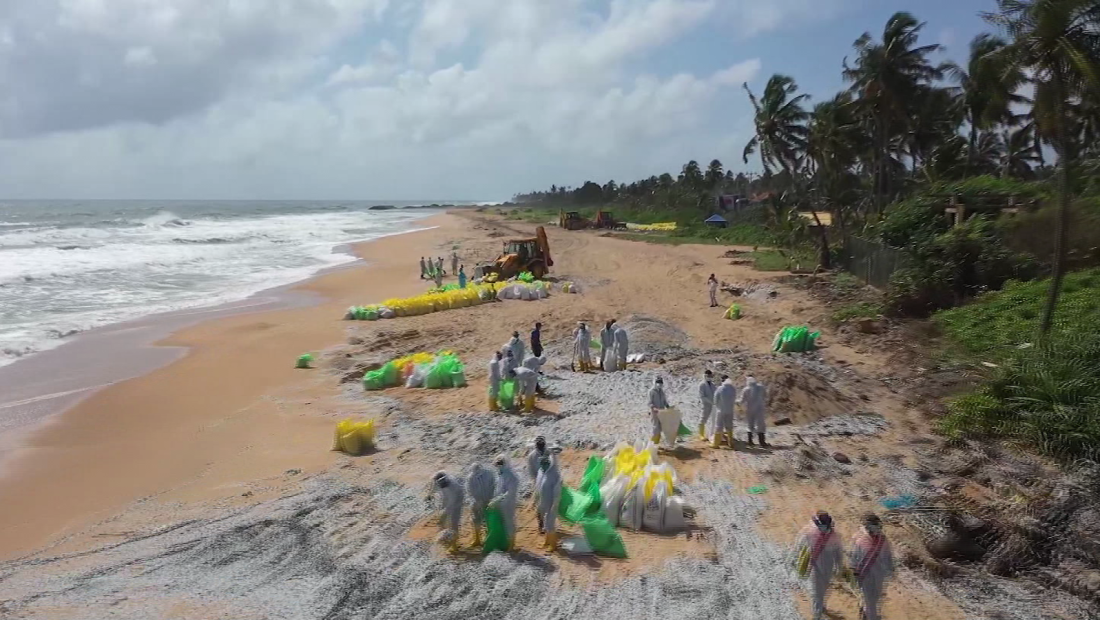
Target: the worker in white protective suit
(753, 400)
(607, 347)
(453, 498)
(725, 397)
(423, 269)
(481, 487)
(706, 397)
(538, 451)
(657, 401)
(622, 347)
(494, 382)
(454, 263)
(508, 362)
(872, 562)
(582, 340)
(527, 382)
(826, 556)
(535, 363)
(547, 496)
(712, 287)
(515, 344)
(507, 497)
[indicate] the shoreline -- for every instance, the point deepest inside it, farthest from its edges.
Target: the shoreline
(113, 364)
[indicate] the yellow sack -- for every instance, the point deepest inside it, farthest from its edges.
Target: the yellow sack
(656, 478)
(354, 438)
(802, 566)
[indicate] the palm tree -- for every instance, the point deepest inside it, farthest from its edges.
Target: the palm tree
(886, 78)
(714, 174)
(691, 176)
(780, 125)
(987, 87)
(1058, 41)
(1019, 153)
(833, 146)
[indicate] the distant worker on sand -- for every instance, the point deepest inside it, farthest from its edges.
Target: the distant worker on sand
(481, 485)
(548, 494)
(622, 347)
(725, 397)
(453, 498)
(438, 277)
(872, 562)
(582, 341)
(607, 347)
(507, 496)
(494, 381)
(423, 269)
(536, 340)
(754, 399)
(820, 555)
(712, 286)
(462, 276)
(657, 401)
(527, 382)
(516, 346)
(706, 396)
(454, 262)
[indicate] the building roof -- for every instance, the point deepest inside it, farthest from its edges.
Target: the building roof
(825, 217)
(715, 219)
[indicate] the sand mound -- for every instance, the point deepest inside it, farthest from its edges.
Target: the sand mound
(802, 395)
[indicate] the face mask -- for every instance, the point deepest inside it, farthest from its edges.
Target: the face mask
(873, 529)
(822, 527)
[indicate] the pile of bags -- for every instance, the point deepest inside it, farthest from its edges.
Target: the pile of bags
(425, 304)
(583, 506)
(568, 287)
(638, 493)
(524, 291)
(354, 438)
(658, 227)
(734, 312)
(441, 370)
(525, 276)
(795, 340)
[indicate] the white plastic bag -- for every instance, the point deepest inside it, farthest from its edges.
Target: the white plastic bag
(633, 508)
(670, 423)
(674, 520)
(653, 516)
(611, 494)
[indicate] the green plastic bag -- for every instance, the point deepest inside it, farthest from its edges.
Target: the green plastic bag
(496, 536)
(603, 538)
(391, 375)
(683, 431)
(303, 361)
(507, 395)
(370, 314)
(593, 476)
(373, 380)
(458, 378)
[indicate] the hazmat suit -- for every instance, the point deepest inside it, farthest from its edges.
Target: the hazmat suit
(712, 287)
(494, 381)
(607, 348)
(547, 496)
(481, 486)
(657, 401)
(622, 346)
(454, 262)
(534, 455)
(706, 397)
(872, 562)
(725, 397)
(453, 497)
(508, 363)
(753, 399)
(826, 555)
(516, 346)
(507, 497)
(582, 340)
(534, 363)
(527, 382)
(439, 267)
(438, 278)
(423, 269)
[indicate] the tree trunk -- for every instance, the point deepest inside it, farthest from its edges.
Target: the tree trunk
(972, 146)
(1062, 224)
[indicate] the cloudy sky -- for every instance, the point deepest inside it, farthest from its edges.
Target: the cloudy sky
(403, 99)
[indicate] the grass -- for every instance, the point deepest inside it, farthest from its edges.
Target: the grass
(858, 310)
(781, 260)
(1045, 396)
(996, 323)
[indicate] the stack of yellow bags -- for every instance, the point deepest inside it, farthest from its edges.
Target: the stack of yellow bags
(658, 227)
(354, 438)
(436, 302)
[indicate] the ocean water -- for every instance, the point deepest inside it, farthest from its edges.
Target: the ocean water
(67, 267)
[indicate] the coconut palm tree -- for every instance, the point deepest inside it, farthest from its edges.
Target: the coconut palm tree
(714, 174)
(1019, 153)
(987, 88)
(780, 125)
(1058, 42)
(886, 77)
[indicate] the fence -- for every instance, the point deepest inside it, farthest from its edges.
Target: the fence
(871, 261)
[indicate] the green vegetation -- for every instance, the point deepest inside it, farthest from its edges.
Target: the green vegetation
(858, 310)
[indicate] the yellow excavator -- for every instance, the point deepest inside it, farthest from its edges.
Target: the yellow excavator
(522, 255)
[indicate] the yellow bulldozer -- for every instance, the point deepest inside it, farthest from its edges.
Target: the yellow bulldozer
(521, 255)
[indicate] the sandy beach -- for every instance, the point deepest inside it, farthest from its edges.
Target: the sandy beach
(206, 488)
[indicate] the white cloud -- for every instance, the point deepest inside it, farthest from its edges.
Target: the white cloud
(265, 99)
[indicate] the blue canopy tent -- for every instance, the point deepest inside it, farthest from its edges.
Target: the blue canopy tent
(716, 221)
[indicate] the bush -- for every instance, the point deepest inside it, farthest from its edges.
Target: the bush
(858, 310)
(1045, 397)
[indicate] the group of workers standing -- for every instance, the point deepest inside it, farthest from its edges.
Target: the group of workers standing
(614, 347)
(821, 558)
(433, 270)
(507, 365)
(498, 488)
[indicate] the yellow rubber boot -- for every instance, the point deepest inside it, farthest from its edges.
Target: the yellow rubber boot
(493, 404)
(656, 438)
(551, 541)
(717, 440)
(477, 539)
(529, 404)
(703, 432)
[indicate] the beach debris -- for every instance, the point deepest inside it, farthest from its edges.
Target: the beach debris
(304, 361)
(840, 457)
(757, 490)
(734, 312)
(438, 370)
(354, 438)
(795, 340)
(427, 303)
